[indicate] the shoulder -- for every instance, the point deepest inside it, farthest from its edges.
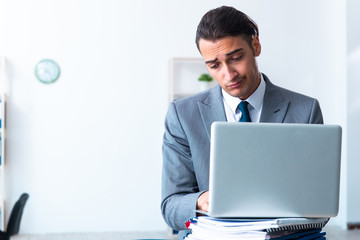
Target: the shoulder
(208, 96)
(185, 107)
(299, 108)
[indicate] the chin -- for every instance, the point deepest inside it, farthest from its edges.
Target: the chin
(237, 94)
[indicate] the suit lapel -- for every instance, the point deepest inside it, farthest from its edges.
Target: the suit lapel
(274, 113)
(274, 108)
(274, 105)
(212, 109)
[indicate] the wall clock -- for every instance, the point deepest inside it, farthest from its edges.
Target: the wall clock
(47, 71)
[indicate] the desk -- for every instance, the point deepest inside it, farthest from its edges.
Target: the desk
(96, 236)
(332, 233)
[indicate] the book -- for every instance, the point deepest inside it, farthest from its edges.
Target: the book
(208, 228)
(298, 235)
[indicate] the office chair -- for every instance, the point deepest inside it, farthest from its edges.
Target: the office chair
(15, 218)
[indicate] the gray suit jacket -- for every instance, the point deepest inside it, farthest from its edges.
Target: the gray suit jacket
(186, 142)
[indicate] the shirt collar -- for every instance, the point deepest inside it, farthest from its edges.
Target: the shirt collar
(255, 99)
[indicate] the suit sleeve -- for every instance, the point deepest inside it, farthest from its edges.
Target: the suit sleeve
(316, 114)
(179, 186)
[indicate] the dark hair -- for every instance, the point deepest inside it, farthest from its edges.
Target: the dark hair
(225, 21)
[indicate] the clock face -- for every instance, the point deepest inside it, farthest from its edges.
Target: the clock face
(47, 71)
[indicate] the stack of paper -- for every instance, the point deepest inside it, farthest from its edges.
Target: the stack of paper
(208, 228)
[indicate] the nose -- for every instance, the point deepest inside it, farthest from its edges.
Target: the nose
(229, 73)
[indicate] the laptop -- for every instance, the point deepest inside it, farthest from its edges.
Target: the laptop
(270, 170)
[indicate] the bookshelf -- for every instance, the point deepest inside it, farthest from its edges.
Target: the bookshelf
(184, 74)
(2, 141)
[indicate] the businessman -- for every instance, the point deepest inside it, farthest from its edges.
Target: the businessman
(228, 41)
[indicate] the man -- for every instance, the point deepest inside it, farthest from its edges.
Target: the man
(228, 41)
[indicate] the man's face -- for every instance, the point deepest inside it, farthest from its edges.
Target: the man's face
(231, 61)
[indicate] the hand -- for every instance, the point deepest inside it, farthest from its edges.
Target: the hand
(203, 202)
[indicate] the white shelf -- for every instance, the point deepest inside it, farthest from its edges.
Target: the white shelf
(184, 74)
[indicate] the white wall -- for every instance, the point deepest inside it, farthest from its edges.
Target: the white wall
(353, 70)
(88, 147)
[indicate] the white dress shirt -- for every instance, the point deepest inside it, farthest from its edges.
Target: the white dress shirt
(255, 101)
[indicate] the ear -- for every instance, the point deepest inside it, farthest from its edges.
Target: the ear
(256, 45)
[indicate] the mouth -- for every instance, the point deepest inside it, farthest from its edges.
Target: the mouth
(236, 84)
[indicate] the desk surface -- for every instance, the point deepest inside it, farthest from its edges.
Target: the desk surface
(332, 233)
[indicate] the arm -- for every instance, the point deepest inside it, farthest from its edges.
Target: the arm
(316, 115)
(179, 186)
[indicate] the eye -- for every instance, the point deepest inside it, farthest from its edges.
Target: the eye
(237, 58)
(214, 65)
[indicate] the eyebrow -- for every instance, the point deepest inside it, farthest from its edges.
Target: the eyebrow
(211, 61)
(235, 51)
(227, 54)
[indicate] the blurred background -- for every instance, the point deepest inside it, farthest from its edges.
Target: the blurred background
(87, 148)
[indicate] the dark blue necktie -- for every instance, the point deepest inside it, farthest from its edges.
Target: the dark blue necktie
(245, 116)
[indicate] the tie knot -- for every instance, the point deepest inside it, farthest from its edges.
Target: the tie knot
(243, 105)
(245, 116)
